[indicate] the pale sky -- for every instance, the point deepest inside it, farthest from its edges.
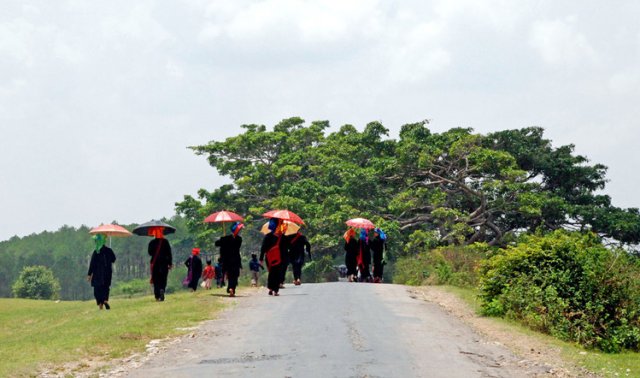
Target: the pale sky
(99, 99)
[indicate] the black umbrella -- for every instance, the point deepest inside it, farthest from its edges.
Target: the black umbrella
(143, 229)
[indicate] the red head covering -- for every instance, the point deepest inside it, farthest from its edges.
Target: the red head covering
(156, 232)
(195, 251)
(350, 234)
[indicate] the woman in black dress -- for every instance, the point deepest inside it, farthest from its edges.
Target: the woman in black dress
(101, 271)
(274, 245)
(230, 256)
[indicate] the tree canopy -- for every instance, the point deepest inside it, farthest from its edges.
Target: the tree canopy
(451, 188)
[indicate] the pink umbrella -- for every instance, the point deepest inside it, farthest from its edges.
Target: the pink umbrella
(360, 223)
(110, 230)
(223, 217)
(285, 215)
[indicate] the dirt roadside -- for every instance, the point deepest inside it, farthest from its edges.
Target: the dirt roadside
(533, 351)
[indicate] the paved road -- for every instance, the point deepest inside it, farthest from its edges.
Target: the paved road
(332, 330)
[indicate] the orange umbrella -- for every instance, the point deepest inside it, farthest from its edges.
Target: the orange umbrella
(284, 215)
(360, 223)
(292, 228)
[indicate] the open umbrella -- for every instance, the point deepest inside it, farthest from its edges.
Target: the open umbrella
(360, 223)
(111, 230)
(284, 215)
(292, 228)
(143, 229)
(223, 217)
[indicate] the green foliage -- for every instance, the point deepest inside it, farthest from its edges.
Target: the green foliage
(441, 266)
(568, 285)
(320, 270)
(67, 252)
(36, 282)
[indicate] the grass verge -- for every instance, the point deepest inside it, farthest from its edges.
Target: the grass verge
(625, 364)
(37, 334)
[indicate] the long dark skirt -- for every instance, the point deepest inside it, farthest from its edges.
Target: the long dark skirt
(101, 293)
(274, 278)
(297, 270)
(350, 260)
(378, 269)
(160, 284)
(232, 278)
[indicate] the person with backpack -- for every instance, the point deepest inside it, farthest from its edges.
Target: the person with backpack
(298, 243)
(274, 245)
(255, 266)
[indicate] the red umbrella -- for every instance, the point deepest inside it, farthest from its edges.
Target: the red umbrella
(284, 214)
(360, 223)
(223, 216)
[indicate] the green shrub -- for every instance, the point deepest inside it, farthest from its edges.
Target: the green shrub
(320, 270)
(568, 285)
(445, 265)
(36, 282)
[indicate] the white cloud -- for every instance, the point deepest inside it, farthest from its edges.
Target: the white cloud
(559, 44)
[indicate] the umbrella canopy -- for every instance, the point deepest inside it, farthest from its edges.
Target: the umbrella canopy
(111, 230)
(143, 229)
(285, 215)
(360, 223)
(292, 228)
(223, 216)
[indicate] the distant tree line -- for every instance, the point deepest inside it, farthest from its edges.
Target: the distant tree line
(67, 251)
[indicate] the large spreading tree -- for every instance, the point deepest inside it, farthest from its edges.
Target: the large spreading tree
(456, 187)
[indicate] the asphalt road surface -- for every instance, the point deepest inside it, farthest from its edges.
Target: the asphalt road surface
(331, 330)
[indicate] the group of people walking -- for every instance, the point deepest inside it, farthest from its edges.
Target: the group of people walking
(278, 251)
(359, 251)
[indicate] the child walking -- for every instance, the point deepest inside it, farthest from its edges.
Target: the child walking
(255, 266)
(208, 275)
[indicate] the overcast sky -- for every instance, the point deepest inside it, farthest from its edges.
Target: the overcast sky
(100, 99)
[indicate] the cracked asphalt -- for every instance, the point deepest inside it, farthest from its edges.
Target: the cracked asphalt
(336, 329)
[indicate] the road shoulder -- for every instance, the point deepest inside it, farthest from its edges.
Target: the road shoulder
(533, 351)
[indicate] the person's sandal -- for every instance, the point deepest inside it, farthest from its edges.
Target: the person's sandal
(106, 305)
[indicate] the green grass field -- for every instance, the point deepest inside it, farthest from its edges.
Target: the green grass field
(607, 365)
(38, 334)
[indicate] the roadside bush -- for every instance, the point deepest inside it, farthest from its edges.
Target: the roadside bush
(568, 285)
(36, 282)
(441, 266)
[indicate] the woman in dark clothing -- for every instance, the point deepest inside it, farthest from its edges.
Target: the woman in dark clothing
(297, 245)
(194, 264)
(351, 256)
(230, 256)
(161, 262)
(364, 256)
(100, 271)
(274, 255)
(377, 245)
